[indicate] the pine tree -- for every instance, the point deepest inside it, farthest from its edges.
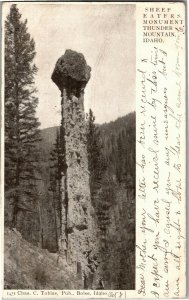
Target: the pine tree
(21, 124)
(95, 159)
(57, 158)
(119, 164)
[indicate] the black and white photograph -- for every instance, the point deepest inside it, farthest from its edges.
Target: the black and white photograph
(70, 146)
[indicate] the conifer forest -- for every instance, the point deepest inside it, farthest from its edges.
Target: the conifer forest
(69, 209)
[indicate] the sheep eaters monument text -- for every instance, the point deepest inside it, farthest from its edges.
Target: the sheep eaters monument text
(71, 75)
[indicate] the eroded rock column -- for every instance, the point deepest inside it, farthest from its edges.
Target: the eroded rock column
(71, 75)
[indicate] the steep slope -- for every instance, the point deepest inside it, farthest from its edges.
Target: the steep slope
(29, 267)
(114, 202)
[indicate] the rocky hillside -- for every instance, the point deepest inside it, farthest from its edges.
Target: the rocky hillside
(29, 267)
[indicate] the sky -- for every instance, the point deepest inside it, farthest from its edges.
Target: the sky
(105, 34)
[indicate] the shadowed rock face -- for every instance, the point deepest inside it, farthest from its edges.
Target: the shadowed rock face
(71, 71)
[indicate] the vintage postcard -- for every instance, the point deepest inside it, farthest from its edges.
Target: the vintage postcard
(93, 152)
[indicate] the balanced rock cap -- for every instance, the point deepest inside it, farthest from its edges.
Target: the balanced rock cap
(71, 71)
